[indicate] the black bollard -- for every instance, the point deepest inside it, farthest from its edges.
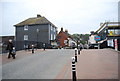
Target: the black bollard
(13, 53)
(44, 46)
(75, 54)
(32, 48)
(73, 69)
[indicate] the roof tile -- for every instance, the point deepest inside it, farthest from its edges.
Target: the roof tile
(35, 20)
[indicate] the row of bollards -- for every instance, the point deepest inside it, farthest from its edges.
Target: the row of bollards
(34, 48)
(74, 60)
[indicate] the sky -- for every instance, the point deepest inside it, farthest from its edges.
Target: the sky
(77, 16)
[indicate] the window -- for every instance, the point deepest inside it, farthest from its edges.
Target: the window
(59, 37)
(114, 32)
(117, 31)
(111, 32)
(25, 37)
(51, 28)
(54, 29)
(26, 27)
(54, 36)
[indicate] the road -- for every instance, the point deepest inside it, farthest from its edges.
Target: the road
(41, 65)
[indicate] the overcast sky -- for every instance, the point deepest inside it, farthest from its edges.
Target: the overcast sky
(77, 16)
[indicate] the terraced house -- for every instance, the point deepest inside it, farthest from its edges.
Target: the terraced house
(36, 30)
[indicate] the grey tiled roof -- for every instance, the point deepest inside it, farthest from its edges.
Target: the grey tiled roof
(34, 21)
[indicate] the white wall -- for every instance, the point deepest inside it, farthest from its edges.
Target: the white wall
(91, 39)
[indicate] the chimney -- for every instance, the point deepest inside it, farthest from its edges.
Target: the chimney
(66, 31)
(38, 15)
(62, 29)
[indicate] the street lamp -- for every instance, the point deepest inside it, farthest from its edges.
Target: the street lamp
(37, 37)
(68, 41)
(78, 40)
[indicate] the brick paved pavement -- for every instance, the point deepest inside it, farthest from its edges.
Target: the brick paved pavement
(98, 64)
(94, 64)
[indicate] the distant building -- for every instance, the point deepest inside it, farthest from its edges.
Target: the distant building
(92, 42)
(6, 38)
(92, 39)
(36, 30)
(109, 30)
(64, 39)
(109, 33)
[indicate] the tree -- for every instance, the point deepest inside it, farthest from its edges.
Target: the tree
(80, 37)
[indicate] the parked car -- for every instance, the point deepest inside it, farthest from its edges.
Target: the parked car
(93, 46)
(86, 46)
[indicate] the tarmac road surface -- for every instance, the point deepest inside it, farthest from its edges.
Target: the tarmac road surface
(43, 65)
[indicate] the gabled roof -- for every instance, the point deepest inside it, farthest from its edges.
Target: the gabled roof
(35, 21)
(65, 33)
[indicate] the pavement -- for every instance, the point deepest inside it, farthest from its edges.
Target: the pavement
(19, 55)
(98, 64)
(92, 64)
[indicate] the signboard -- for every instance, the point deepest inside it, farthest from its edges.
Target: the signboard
(97, 38)
(111, 33)
(116, 45)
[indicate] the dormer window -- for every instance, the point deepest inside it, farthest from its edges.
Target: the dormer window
(26, 27)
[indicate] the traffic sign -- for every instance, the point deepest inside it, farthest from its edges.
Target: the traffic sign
(97, 38)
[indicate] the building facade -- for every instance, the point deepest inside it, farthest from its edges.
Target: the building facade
(92, 39)
(109, 30)
(109, 33)
(64, 39)
(36, 31)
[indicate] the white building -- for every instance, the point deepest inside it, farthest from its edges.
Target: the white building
(71, 42)
(92, 39)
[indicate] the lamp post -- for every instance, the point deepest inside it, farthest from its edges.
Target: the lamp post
(37, 37)
(78, 40)
(68, 42)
